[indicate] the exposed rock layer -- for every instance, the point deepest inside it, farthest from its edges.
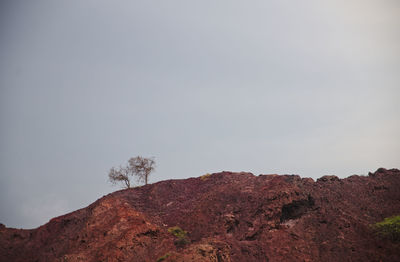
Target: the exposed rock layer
(228, 217)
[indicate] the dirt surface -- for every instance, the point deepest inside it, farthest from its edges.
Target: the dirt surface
(228, 217)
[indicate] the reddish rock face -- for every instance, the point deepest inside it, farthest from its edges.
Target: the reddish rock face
(228, 217)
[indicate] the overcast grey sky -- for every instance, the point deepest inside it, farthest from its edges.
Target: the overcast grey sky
(288, 87)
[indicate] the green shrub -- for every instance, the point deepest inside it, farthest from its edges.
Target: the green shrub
(163, 257)
(205, 177)
(389, 228)
(177, 231)
(180, 234)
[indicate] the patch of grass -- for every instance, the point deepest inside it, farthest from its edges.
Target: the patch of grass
(181, 236)
(163, 257)
(205, 177)
(177, 231)
(389, 228)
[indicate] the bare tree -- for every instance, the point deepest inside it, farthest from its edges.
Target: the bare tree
(120, 175)
(137, 166)
(142, 167)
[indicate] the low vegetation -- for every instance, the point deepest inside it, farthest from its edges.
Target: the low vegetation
(389, 228)
(163, 257)
(181, 236)
(205, 177)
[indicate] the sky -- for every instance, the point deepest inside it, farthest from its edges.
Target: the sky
(289, 87)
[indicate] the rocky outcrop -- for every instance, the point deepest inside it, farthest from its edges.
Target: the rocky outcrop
(227, 217)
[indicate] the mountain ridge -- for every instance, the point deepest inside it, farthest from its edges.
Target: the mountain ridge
(228, 216)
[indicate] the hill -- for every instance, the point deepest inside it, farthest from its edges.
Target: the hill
(222, 217)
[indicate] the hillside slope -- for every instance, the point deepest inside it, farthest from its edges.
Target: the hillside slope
(228, 217)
